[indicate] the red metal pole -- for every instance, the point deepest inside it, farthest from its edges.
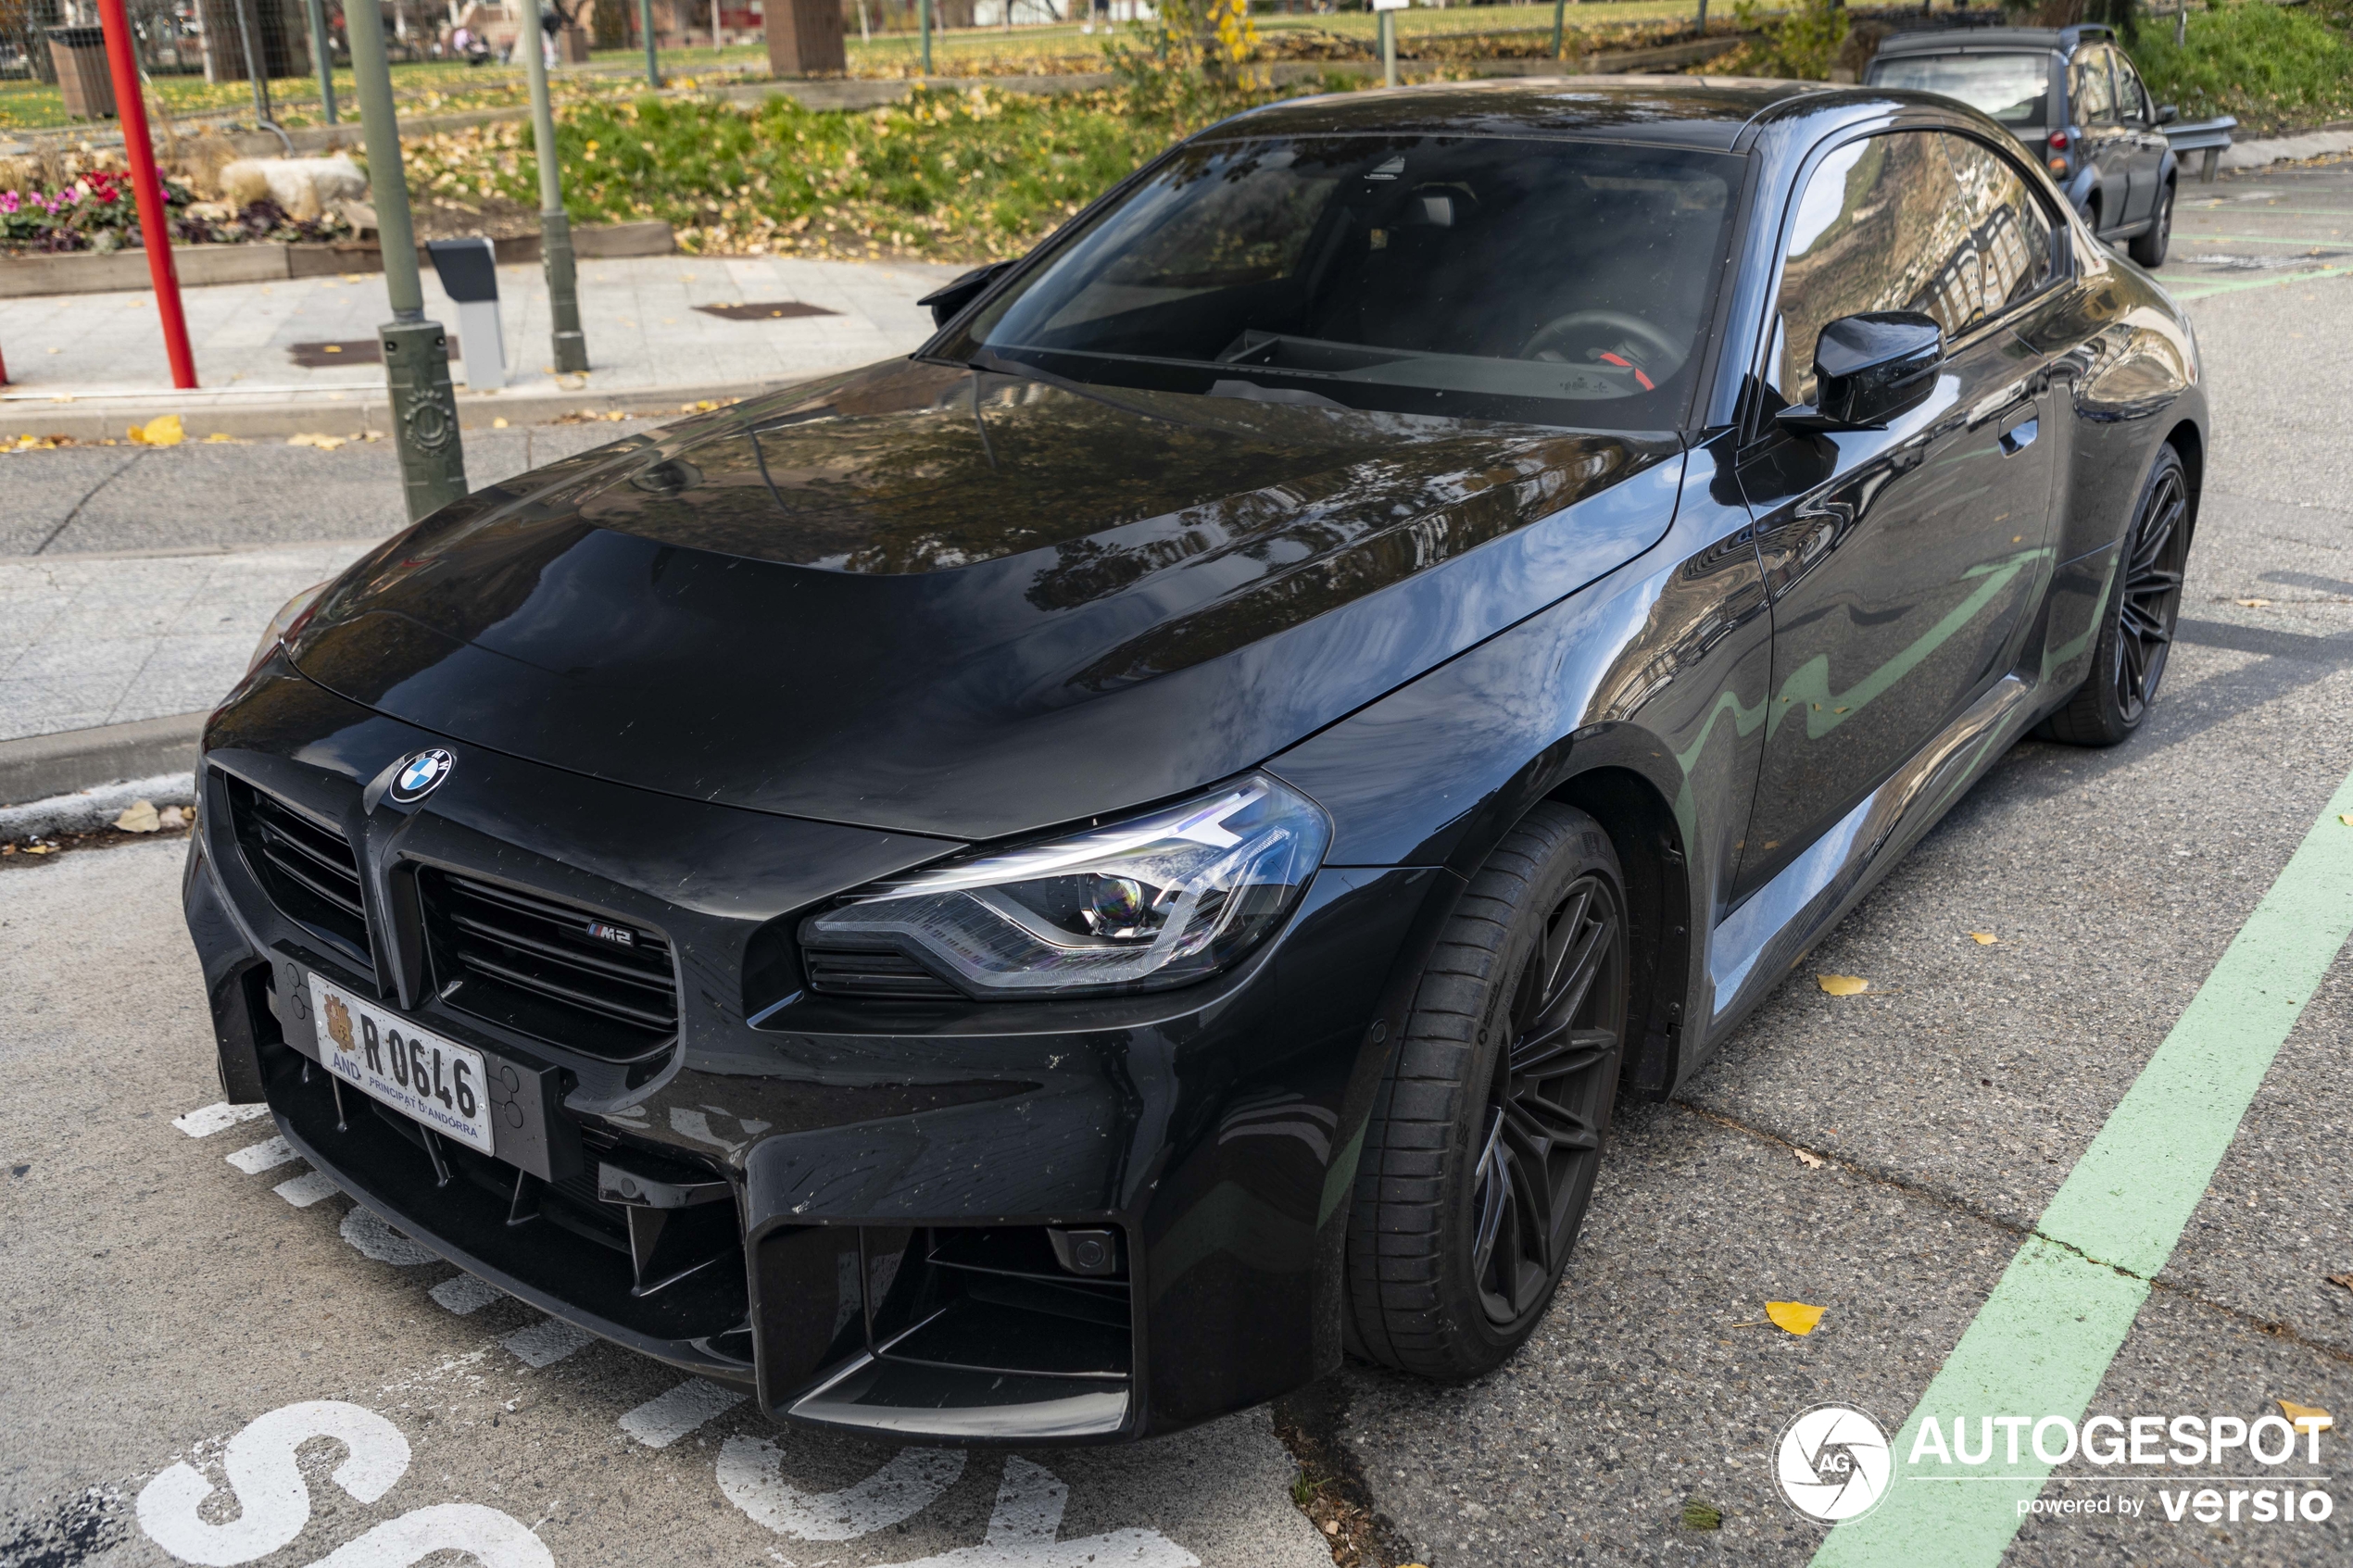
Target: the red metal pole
(155, 225)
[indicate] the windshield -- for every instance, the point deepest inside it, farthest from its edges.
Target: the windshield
(2011, 88)
(1563, 283)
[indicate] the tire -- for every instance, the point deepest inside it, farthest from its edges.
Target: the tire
(1486, 1133)
(2136, 627)
(2148, 246)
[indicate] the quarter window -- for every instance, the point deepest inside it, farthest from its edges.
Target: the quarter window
(2089, 87)
(1880, 227)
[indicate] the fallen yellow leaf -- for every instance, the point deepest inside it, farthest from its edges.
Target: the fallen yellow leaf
(2345, 817)
(1842, 985)
(2252, 604)
(1793, 1317)
(1808, 1158)
(140, 816)
(499, 423)
(2295, 1411)
(311, 438)
(1983, 938)
(222, 438)
(162, 431)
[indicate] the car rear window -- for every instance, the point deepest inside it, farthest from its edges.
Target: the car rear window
(1562, 281)
(2014, 89)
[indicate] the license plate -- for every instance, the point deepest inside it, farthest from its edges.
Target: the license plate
(417, 1072)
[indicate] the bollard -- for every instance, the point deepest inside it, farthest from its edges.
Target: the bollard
(469, 274)
(424, 411)
(555, 229)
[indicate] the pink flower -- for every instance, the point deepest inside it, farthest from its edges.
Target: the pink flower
(8, 202)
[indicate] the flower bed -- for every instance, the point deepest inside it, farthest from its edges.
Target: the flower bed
(95, 211)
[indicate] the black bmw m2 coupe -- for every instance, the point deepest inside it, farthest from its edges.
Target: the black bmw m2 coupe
(1047, 890)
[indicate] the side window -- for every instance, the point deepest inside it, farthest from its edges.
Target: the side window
(2009, 229)
(2092, 95)
(2132, 94)
(1879, 227)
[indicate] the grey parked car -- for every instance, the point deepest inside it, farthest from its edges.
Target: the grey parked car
(2073, 97)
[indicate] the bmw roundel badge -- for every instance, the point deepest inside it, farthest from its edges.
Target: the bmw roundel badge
(420, 775)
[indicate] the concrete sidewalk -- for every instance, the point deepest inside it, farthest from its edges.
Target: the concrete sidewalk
(85, 365)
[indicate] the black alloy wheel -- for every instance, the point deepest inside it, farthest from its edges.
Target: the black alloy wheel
(2148, 246)
(2137, 631)
(1486, 1135)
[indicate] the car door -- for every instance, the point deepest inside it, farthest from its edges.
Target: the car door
(2108, 144)
(2137, 112)
(1901, 561)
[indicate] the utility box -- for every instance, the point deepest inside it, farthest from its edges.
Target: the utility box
(80, 56)
(469, 274)
(805, 37)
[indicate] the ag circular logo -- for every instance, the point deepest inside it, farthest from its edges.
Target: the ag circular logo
(421, 774)
(1832, 1464)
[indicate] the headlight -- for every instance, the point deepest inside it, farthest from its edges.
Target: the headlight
(1140, 905)
(281, 625)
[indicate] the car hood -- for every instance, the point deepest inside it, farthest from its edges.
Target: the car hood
(944, 601)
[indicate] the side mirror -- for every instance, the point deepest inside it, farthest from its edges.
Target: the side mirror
(1867, 370)
(957, 293)
(2166, 114)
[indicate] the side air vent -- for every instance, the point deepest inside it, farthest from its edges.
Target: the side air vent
(874, 974)
(563, 974)
(309, 869)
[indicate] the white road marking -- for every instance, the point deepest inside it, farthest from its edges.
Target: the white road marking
(307, 1188)
(273, 1499)
(1028, 1515)
(487, 1537)
(547, 1341)
(464, 1294)
(364, 1230)
(254, 1159)
(203, 1124)
(661, 1421)
(751, 1474)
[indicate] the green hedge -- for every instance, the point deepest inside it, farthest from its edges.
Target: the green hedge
(2277, 69)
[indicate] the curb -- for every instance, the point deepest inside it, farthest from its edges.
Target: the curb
(2262, 152)
(92, 809)
(348, 412)
(41, 768)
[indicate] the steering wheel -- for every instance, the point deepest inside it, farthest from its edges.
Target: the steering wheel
(1548, 340)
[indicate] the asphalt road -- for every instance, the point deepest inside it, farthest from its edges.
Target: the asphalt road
(161, 1298)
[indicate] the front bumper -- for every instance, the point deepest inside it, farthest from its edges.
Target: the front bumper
(870, 1190)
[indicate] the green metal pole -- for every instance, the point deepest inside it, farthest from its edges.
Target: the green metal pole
(248, 24)
(1388, 48)
(322, 53)
(1560, 9)
(923, 7)
(645, 22)
(555, 229)
(1702, 17)
(424, 411)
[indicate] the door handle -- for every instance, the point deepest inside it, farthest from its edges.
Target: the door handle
(2019, 436)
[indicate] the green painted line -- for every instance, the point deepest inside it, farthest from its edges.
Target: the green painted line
(2046, 1336)
(2200, 290)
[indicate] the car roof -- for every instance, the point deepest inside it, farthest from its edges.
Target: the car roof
(1989, 40)
(1708, 112)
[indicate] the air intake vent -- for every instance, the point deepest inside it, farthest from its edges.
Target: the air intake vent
(309, 869)
(563, 974)
(875, 974)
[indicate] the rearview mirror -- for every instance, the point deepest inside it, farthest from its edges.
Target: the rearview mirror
(960, 290)
(1867, 370)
